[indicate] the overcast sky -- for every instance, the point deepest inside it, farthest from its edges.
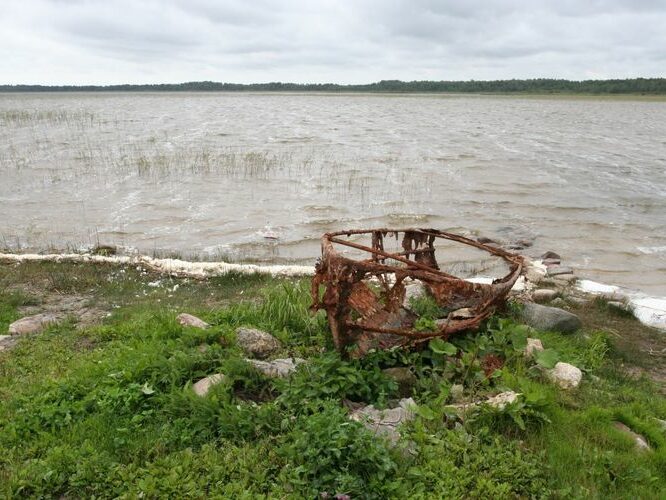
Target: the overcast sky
(343, 41)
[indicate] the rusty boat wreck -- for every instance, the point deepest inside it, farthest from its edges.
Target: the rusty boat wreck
(367, 291)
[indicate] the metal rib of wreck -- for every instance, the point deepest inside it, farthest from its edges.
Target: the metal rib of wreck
(364, 299)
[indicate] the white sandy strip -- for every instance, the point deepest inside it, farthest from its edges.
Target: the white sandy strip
(174, 267)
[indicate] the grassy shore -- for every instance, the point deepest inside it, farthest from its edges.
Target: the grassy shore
(101, 404)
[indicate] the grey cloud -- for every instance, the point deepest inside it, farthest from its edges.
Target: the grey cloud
(343, 41)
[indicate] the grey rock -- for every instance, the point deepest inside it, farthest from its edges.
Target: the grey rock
(551, 262)
(385, 423)
(544, 295)
(404, 377)
(534, 274)
(256, 343)
(189, 320)
(550, 255)
(558, 302)
(278, 368)
(413, 291)
(556, 270)
(500, 401)
(640, 442)
(485, 241)
(564, 279)
(565, 375)
(579, 301)
(202, 387)
(31, 324)
(550, 318)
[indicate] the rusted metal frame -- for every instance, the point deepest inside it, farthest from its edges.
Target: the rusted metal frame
(433, 232)
(389, 255)
(341, 274)
(461, 239)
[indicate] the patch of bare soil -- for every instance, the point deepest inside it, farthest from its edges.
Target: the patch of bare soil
(82, 308)
(643, 347)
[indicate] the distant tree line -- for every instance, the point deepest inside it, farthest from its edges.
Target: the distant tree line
(534, 86)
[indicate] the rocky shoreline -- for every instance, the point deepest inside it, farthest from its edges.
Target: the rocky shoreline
(545, 279)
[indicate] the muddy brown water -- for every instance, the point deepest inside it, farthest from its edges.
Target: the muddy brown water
(203, 174)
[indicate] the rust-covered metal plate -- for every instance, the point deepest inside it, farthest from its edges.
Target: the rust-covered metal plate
(364, 298)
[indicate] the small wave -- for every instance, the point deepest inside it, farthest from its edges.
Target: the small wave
(651, 250)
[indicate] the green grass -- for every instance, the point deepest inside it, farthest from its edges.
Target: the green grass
(107, 409)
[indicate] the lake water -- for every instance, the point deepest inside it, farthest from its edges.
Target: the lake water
(203, 174)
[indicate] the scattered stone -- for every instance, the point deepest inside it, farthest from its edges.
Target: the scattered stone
(486, 241)
(579, 301)
(549, 318)
(557, 270)
(533, 346)
(385, 422)
(31, 324)
(535, 272)
(551, 262)
(544, 295)
(404, 377)
(464, 313)
(550, 255)
(558, 302)
(414, 290)
(564, 279)
(499, 402)
(202, 387)
(519, 286)
(189, 320)
(502, 399)
(256, 342)
(565, 375)
(640, 442)
(278, 368)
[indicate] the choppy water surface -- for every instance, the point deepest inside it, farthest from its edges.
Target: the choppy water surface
(203, 174)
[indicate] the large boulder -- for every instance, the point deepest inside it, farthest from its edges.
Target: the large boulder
(31, 324)
(256, 343)
(565, 375)
(189, 320)
(550, 318)
(278, 368)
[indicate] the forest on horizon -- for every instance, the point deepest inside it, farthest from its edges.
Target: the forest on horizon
(647, 86)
